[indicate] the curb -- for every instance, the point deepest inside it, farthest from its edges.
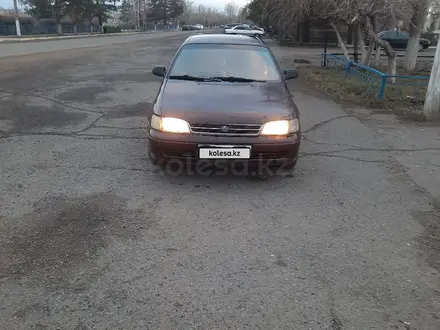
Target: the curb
(81, 36)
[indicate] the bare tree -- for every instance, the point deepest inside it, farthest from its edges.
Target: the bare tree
(188, 11)
(231, 10)
(417, 23)
(202, 15)
(364, 14)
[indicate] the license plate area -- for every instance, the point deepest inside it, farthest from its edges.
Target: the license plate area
(224, 152)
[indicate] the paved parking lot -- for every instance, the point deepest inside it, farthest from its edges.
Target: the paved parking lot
(93, 236)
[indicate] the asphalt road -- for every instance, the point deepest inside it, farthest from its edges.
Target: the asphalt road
(24, 48)
(93, 236)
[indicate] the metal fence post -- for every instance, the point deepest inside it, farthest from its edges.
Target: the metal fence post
(347, 68)
(325, 48)
(383, 83)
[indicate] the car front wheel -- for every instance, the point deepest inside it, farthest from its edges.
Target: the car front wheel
(421, 47)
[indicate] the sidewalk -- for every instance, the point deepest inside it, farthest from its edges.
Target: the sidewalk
(30, 38)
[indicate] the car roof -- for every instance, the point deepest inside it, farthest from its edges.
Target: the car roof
(222, 39)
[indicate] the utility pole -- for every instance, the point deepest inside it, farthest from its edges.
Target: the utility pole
(17, 19)
(432, 100)
(136, 14)
(145, 15)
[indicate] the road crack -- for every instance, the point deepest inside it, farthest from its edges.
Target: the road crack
(322, 123)
(124, 128)
(359, 148)
(118, 168)
(47, 98)
(357, 159)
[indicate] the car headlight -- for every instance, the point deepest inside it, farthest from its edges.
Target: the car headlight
(169, 124)
(280, 127)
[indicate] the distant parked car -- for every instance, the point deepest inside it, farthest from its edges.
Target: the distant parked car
(256, 27)
(230, 26)
(399, 39)
(246, 30)
(198, 26)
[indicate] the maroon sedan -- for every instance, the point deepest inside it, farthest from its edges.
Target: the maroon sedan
(224, 97)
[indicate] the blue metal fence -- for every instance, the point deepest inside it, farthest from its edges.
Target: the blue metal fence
(27, 29)
(376, 82)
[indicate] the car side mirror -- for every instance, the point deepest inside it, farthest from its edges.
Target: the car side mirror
(159, 71)
(290, 74)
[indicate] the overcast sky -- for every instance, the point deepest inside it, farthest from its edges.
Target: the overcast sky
(219, 4)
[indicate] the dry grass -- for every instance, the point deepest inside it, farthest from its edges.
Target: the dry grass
(404, 72)
(401, 100)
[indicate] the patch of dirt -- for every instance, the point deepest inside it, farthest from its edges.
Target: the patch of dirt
(301, 61)
(131, 110)
(25, 116)
(91, 94)
(430, 240)
(63, 234)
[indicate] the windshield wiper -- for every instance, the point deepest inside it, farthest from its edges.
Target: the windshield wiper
(237, 79)
(193, 78)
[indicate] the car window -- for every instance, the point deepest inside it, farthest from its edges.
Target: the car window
(403, 35)
(386, 34)
(392, 34)
(213, 60)
(239, 28)
(247, 28)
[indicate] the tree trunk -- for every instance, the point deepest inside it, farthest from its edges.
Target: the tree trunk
(412, 51)
(58, 18)
(392, 67)
(361, 42)
(416, 26)
(377, 55)
(387, 48)
(100, 24)
(350, 34)
(59, 29)
(74, 19)
(355, 43)
(432, 100)
(58, 23)
(369, 53)
(370, 25)
(341, 43)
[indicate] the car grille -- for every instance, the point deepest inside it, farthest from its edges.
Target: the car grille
(233, 129)
(180, 154)
(269, 155)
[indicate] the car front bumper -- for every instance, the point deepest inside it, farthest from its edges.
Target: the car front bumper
(275, 150)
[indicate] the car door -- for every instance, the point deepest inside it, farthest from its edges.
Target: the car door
(238, 30)
(392, 38)
(247, 30)
(229, 29)
(402, 40)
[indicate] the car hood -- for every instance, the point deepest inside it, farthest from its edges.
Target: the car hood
(425, 40)
(224, 102)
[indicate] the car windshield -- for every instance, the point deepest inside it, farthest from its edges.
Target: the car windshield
(220, 60)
